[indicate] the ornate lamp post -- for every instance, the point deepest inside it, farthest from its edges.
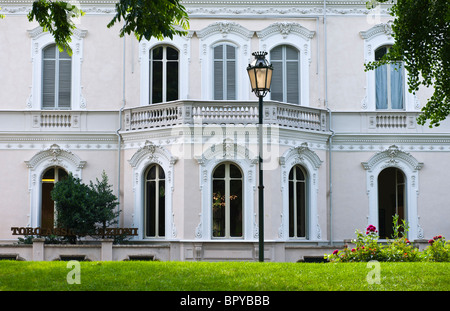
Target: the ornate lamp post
(260, 74)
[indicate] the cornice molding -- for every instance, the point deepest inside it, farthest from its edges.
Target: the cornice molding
(204, 8)
(285, 28)
(224, 28)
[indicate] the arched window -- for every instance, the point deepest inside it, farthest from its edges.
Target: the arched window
(227, 201)
(155, 198)
(391, 199)
(56, 78)
(50, 177)
(297, 202)
(286, 74)
(224, 72)
(164, 69)
(389, 81)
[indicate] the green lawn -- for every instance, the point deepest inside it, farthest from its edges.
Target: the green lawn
(223, 276)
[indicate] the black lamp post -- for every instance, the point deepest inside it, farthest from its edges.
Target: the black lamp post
(260, 74)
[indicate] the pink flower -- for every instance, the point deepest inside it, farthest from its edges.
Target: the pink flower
(353, 250)
(431, 241)
(335, 252)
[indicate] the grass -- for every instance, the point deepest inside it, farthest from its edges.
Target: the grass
(222, 276)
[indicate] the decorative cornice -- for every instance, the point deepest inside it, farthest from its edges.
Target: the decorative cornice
(392, 156)
(385, 29)
(299, 154)
(38, 31)
(225, 8)
(225, 28)
(151, 152)
(285, 28)
(55, 155)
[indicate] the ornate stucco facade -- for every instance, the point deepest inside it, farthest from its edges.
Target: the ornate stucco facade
(323, 118)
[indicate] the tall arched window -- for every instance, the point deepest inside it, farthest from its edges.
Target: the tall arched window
(56, 78)
(389, 79)
(391, 199)
(227, 201)
(297, 202)
(155, 199)
(50, 177)
(224, 72)
(286, 74)
(164, 69)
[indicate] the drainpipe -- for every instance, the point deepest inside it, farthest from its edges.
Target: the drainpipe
(119, 137)
(330, 139)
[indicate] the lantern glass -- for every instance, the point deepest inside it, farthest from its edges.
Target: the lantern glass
(260, 74)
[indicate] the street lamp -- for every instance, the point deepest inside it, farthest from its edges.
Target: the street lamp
(260, 74)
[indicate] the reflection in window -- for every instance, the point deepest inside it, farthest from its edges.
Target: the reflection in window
(164, 67)
(388, 83)
(227, 201)
(56, 78)
(155, 198)
(286, 74)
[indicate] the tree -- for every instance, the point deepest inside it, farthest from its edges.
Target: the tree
(104, 202)
(81, 209)
(144, 18)
(73, 206)
(421, 30)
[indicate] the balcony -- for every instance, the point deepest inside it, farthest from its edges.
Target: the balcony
(224, 112)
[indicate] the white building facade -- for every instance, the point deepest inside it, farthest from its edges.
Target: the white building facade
(173, 123)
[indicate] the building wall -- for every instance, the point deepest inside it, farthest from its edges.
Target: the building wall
(334, 47)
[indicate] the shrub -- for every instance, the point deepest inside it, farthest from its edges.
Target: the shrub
(438, 250)
(397, 249)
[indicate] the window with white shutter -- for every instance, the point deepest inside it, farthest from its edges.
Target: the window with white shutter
(286, 74)
(56, 78)
(224, 72)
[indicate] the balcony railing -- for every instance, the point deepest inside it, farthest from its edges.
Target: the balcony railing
(224, 112)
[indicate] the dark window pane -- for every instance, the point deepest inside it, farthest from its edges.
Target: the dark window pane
(49, 174)
(300, 209)
(219, 172)
(172, 54)
(157, 53)
(172, 81)
(150, 209)
(236, 208)
(235, 172)
(162, 208)
(151, 175)
(157, 82)
(379, 53)
(218, 208)
(291, 208)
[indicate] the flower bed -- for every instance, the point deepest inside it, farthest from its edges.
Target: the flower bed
(399, 249)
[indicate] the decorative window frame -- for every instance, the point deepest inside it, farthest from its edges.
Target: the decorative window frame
(225, 32)
(394, 157)
(227, 151)
(301, 155)
(149, 154)
(38, 164)
(378, 36)
(293, 34)
(183, 45)
(41, 39)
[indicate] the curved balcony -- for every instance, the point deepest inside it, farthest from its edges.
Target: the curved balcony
(224, 112)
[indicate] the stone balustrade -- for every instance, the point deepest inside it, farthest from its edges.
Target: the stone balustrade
(224, 112)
